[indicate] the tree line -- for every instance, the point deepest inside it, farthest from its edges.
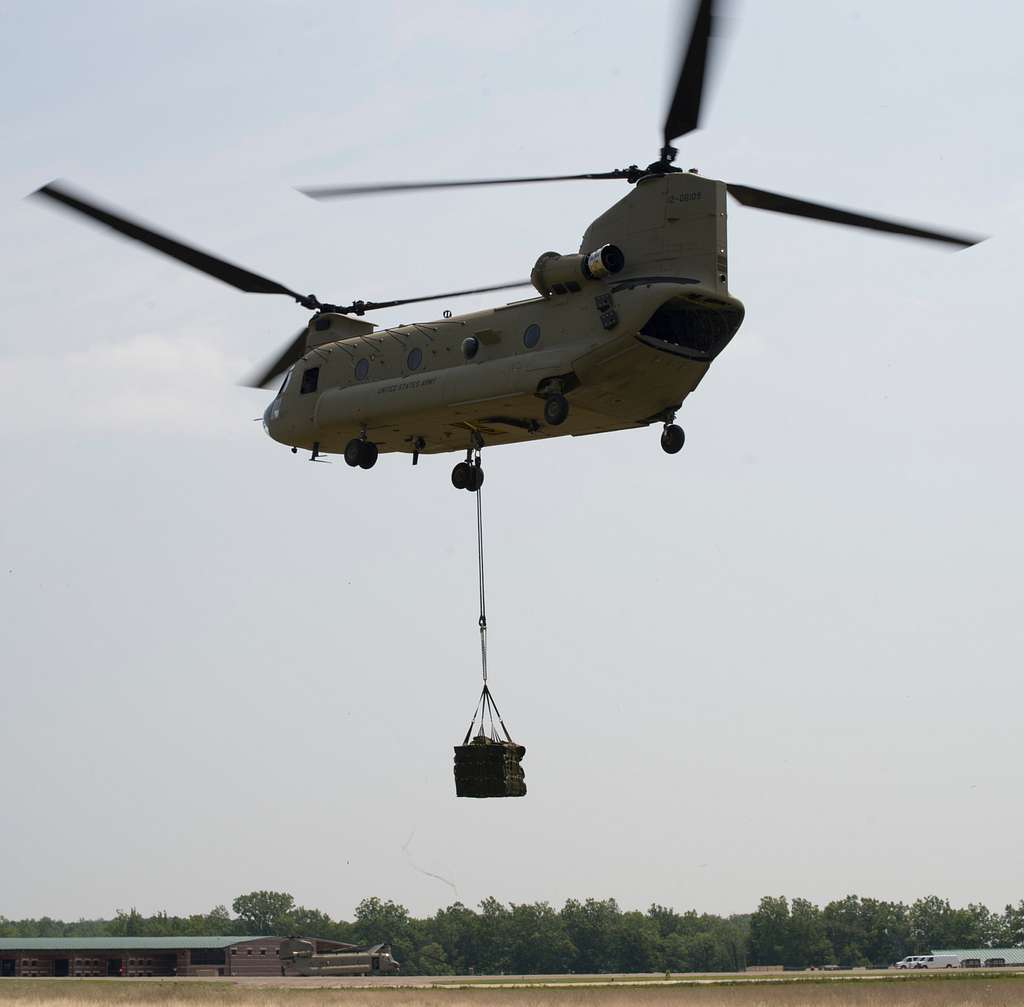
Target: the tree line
(593, 935)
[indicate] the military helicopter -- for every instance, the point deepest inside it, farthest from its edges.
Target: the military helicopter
(616, 335)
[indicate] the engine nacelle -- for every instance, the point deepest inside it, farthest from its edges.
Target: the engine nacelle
(566, 274)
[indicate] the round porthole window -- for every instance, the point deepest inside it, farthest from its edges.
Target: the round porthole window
(362, 369)
(531, 337)
(414, 359)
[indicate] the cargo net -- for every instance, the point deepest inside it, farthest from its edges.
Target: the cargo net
(489, 765)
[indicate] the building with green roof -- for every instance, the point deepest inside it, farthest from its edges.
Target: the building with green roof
(147, 956)
(994, 957)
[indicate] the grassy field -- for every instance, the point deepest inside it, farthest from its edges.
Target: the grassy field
(951, 991)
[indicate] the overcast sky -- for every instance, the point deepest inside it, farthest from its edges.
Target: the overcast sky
(786, 660)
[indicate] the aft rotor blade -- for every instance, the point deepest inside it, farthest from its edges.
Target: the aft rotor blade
(764, 200)
(683, 114)
(262, 377)
(360, 306)
(375, 188)
(228, 273)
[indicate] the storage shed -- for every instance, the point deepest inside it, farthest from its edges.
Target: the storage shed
(146, 956)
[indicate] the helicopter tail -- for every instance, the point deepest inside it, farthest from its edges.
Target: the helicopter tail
(669, 225)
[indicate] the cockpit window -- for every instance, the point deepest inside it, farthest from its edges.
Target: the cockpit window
(310, 378)
(287, 378)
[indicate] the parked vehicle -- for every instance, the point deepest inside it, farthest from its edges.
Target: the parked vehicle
(909, 962)
(938, 962)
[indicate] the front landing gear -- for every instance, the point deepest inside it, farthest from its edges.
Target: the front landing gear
(556, 409)
(672, 439)
(361, 452)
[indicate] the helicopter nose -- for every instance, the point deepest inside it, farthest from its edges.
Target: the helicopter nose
(269, 415)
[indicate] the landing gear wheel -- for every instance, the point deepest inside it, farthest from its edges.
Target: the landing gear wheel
(672, 439)
(367, 454)
(476, 478)
(556, 409)
(353, 452)
(461, 475)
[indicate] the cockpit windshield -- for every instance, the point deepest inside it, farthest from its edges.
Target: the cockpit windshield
(287, 378)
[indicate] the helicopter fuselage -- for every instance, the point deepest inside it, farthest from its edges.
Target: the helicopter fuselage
(624, 349)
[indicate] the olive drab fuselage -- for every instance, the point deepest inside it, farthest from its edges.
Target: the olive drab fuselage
(624, 349)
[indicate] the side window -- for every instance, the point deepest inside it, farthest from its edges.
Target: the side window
(310, 378)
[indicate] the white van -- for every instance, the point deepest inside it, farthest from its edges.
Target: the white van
(909, 962)
(937, 962)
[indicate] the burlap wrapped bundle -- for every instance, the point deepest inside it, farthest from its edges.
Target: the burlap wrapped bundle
(486, 767)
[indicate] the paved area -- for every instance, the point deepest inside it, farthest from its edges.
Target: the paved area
(548, 981)
(602, 979)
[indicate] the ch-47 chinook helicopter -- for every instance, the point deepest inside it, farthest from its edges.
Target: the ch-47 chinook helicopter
(617, 335)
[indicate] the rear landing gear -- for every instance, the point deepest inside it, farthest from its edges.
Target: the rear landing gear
(468, 475)
(672, 439)
(361, 452)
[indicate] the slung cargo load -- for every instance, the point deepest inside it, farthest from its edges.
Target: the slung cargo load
(488, 766)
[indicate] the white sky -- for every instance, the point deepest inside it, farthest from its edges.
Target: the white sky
(784, 661)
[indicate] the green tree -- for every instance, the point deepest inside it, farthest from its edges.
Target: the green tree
(217, 922)
(124, 924)
(1011, 931)
(769, 931)
(734, 939)
(969, 927)
(456, 929)
(934, 923)
(674, 951)
(636, 943)
(807, 943)
(495, 937)
(433, 961)
(381, 921)
(537, 940)
(314, 923)
(667, 920)
(591, 927)
(702, 953)
(867, 931)
(260, 912)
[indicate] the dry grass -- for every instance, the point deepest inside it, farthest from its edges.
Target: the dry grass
(980, 992)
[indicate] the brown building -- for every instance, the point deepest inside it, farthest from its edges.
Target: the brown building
(146, 956)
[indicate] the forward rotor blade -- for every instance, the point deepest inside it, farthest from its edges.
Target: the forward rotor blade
(683, 114)
(764, 200)
(361, 306)
(262, 377)
(235, 276)
(339, 191)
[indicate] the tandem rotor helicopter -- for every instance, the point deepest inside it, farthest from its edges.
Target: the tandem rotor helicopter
(615, 337)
